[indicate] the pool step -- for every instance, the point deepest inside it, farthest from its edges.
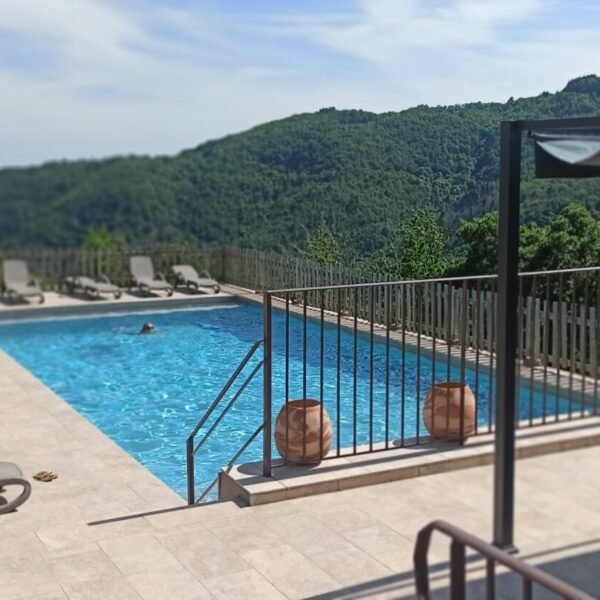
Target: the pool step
(245, 481)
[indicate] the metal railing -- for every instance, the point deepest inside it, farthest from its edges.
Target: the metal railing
(370, 352)
(458, 577)
(192, 450)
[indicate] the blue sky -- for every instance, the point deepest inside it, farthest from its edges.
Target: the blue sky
(91, 78)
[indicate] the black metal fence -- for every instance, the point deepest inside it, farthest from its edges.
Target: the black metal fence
(372, 354)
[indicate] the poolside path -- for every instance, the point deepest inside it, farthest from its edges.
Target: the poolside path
(90, 534)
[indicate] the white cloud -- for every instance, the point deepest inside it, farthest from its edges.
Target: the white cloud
(139, 77)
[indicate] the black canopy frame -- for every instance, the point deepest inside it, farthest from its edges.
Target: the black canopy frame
(511, 133)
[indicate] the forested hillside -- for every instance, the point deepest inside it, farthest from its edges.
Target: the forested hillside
(358, 173)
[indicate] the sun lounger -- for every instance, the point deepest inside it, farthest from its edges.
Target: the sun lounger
(144, 277)
(18, 283)
(187, 275)
(92, 287)
(10, 474)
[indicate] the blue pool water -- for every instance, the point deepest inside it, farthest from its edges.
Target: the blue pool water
(148, 392)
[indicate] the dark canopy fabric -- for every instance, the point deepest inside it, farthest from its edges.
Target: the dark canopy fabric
(567, 154)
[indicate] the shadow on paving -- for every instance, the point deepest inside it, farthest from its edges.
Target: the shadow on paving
(579, 570)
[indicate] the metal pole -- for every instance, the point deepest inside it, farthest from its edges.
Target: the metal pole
(267, 398)
(189, 452)
(508, 291)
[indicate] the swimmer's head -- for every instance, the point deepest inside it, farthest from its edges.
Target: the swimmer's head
(147, 328)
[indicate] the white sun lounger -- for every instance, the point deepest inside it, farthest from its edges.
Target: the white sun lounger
(10, 474)
(188, 276)
(144, 277)
(18, 282)
(92, 287)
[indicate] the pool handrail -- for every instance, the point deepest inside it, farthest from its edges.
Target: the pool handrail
(190, 449)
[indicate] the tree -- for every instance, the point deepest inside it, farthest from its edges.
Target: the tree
(100, 238)
(325, 247)
(417, 252)
(572, 240)
(479, 254)
(423, 242)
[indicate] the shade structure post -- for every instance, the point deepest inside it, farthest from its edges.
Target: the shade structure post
(508, 291)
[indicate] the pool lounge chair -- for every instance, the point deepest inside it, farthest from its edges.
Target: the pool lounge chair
(10, 474)
(187, 275)
(92, 287)
(18, 283)
(144, 277)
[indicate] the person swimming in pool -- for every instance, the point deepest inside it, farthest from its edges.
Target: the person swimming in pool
(147, 328)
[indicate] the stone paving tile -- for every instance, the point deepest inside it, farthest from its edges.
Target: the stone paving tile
(20, 575)
(203, 553)
(86, 566)
(290, 571)
(345, 518)
(351, 566)
(139, 553)
(378, 540)
(247, 533)
(306, 534)
(49, 590)
(242, 585)
(169, 583)
(101, 589)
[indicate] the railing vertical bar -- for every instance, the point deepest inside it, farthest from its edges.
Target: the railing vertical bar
(403, 365)
(267, 386)
(583, 337)
(476, 319)
(491, 341)
(457, 571)
(490, 579)
(573, 340)
(463, 358)
(559, 365)
(418, 325)
(354, 385)
(387, 301)
(434, 300)
(520, 352)
(321, 374)
(371, 362)
(532, 341)
(287, 375)
(449, 341)
(449, 303)
(527, 588)
(304, 374)
(545, 349)
(191, 484)
(338, 372)
(596, 325)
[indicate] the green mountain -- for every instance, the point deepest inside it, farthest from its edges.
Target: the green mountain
(357, 172)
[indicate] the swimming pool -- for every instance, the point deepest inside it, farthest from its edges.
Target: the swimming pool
(148, 392)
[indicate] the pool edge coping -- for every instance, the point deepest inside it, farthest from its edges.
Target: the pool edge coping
(61, 407)
(245, 481)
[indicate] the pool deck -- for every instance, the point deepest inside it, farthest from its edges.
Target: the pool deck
(107, 528)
